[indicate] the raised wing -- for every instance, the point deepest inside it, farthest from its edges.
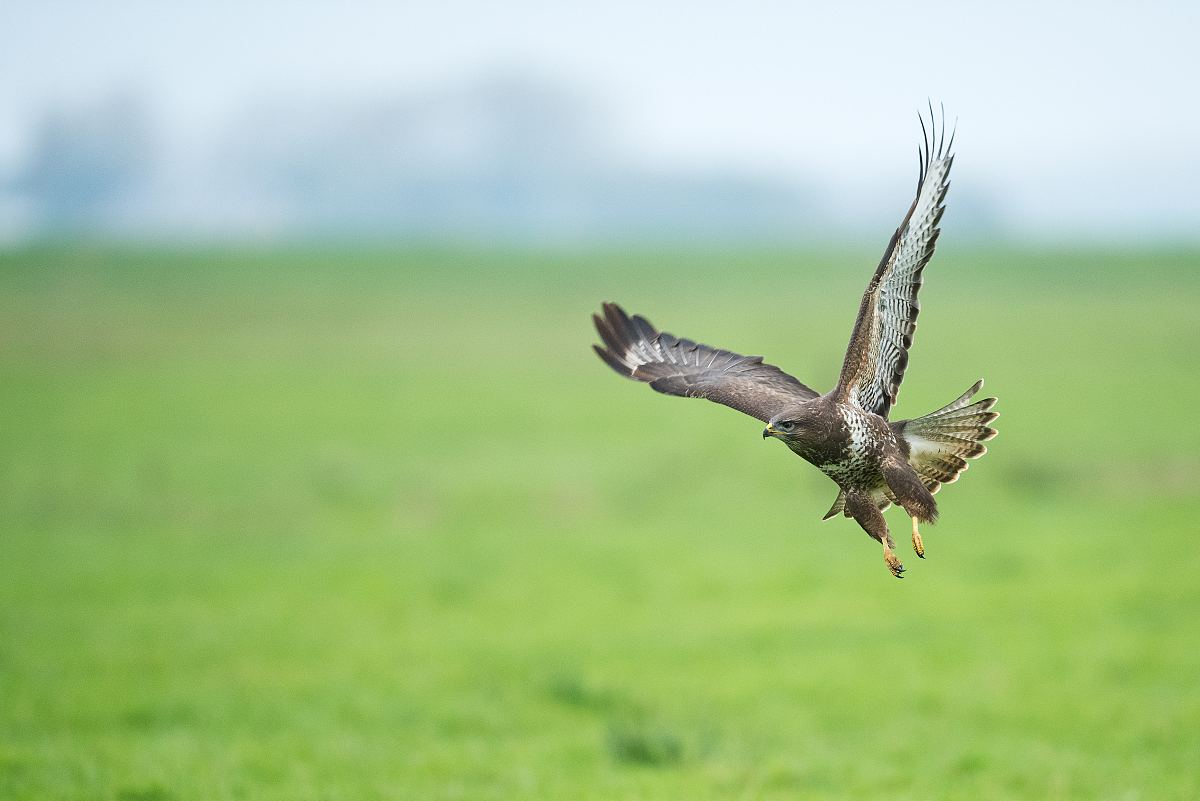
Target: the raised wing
(887, 316)
(635, 349)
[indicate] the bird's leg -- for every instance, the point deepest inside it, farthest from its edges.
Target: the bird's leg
(890, 558)
(910, 493)
(863, 509)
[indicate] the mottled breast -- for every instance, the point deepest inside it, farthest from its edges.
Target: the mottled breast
(868, 437)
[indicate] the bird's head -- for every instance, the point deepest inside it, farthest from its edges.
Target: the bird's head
(796, 425)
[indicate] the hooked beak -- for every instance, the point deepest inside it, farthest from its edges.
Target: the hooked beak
(769, 431)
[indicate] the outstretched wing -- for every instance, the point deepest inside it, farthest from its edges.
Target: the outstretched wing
(887, 316)
(673, 366)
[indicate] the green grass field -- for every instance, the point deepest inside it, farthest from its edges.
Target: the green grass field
(361, 524)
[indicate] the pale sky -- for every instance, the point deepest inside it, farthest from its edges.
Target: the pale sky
(1079, 114)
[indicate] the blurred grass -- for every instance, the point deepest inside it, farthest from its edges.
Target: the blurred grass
(353, 524)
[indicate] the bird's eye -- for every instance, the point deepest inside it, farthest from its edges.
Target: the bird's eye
(785, 425)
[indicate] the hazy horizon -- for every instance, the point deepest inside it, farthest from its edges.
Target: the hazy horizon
(537, 122)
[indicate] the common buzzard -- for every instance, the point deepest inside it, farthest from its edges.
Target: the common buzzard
(845, 432)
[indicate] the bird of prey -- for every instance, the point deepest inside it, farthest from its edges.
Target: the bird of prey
(844, 432)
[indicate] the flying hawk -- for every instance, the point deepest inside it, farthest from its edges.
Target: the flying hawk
(845, 432)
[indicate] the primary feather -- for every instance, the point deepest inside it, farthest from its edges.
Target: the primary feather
(878, 352)
(673, 366)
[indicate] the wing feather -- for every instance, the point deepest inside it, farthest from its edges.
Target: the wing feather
(635, 349)
(887, 317)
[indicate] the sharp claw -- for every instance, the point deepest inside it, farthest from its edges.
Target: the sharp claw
(918, 544)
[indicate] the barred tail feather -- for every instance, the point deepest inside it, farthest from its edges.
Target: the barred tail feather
(839, 506)
(959, 402)
(941, 442)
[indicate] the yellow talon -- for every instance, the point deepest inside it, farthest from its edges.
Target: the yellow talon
(892, 561)
(918, 545)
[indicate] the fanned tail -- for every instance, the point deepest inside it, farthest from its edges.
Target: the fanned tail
(941, 442)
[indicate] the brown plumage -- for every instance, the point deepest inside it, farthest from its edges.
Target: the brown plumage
(845, 432)
(682, 367)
